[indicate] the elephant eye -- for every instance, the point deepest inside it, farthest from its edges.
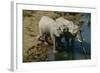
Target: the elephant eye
(59, 28)
(65, 30)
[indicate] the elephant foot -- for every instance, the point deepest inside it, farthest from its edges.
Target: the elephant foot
(54, 51)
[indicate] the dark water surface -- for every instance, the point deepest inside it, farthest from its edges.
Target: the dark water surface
(77, 52)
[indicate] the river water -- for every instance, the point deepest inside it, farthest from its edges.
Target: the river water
(77, 52)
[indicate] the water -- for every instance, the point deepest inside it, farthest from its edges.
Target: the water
(78, 53)
(86, 33)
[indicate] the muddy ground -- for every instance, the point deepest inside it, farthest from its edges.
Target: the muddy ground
(36, 51)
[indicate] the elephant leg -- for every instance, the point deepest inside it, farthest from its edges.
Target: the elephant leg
(72, 43)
